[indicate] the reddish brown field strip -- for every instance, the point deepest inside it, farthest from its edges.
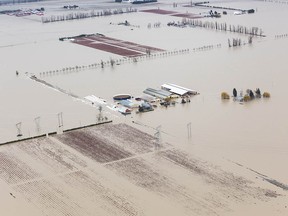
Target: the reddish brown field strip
(115, 46)
(173, 13)
(99, 149)
(104, 39)
(159, 11)
(187, 15)
(115, 49)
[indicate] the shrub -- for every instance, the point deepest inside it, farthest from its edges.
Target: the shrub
(266, 95)
(225, 96)
(247, 98)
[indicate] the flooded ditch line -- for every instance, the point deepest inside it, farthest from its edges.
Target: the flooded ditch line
(265, 177)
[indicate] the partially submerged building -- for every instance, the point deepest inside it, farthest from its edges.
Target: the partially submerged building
(179, 90)
(162, 94)
(124, 110)
(146, 98)
(145, 107)
(129, 103)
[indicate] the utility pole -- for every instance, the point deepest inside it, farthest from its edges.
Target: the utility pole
(189, 130)
(19, 130)
(60, 121)
(100, 118)
(37, 122)
(158, 137)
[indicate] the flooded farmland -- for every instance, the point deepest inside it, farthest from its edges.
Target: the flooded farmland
(233, 161)
(71, 174)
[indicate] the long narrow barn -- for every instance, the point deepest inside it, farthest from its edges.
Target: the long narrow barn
(162, 94)
(179, 90)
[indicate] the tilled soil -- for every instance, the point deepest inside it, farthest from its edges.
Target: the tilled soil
(112, 45)
(116, 170)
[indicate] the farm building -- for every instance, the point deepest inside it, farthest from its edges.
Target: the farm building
(179, 90)
(162, 94)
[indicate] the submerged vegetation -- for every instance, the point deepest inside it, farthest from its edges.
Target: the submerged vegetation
(250, 95)
(266, 95)
(225, 96)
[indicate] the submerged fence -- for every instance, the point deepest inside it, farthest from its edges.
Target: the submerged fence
(114, 62)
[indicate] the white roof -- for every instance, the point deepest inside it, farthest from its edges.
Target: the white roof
(95, 99)
(189, 90)
(174, 89)
(177, 89)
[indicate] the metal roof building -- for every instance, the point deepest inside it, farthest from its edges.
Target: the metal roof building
(129, 103)
(179, 90)
(163, 94)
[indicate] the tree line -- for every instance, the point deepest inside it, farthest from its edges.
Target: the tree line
(254, 31)
(84, 15)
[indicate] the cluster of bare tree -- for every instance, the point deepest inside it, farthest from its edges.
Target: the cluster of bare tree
(238, 42)
(175, 4)
(255, 31)
(206, 4)
(84, 15)
(155, 25)
(235, 42)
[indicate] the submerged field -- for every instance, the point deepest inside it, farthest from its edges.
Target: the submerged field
(99, 172)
